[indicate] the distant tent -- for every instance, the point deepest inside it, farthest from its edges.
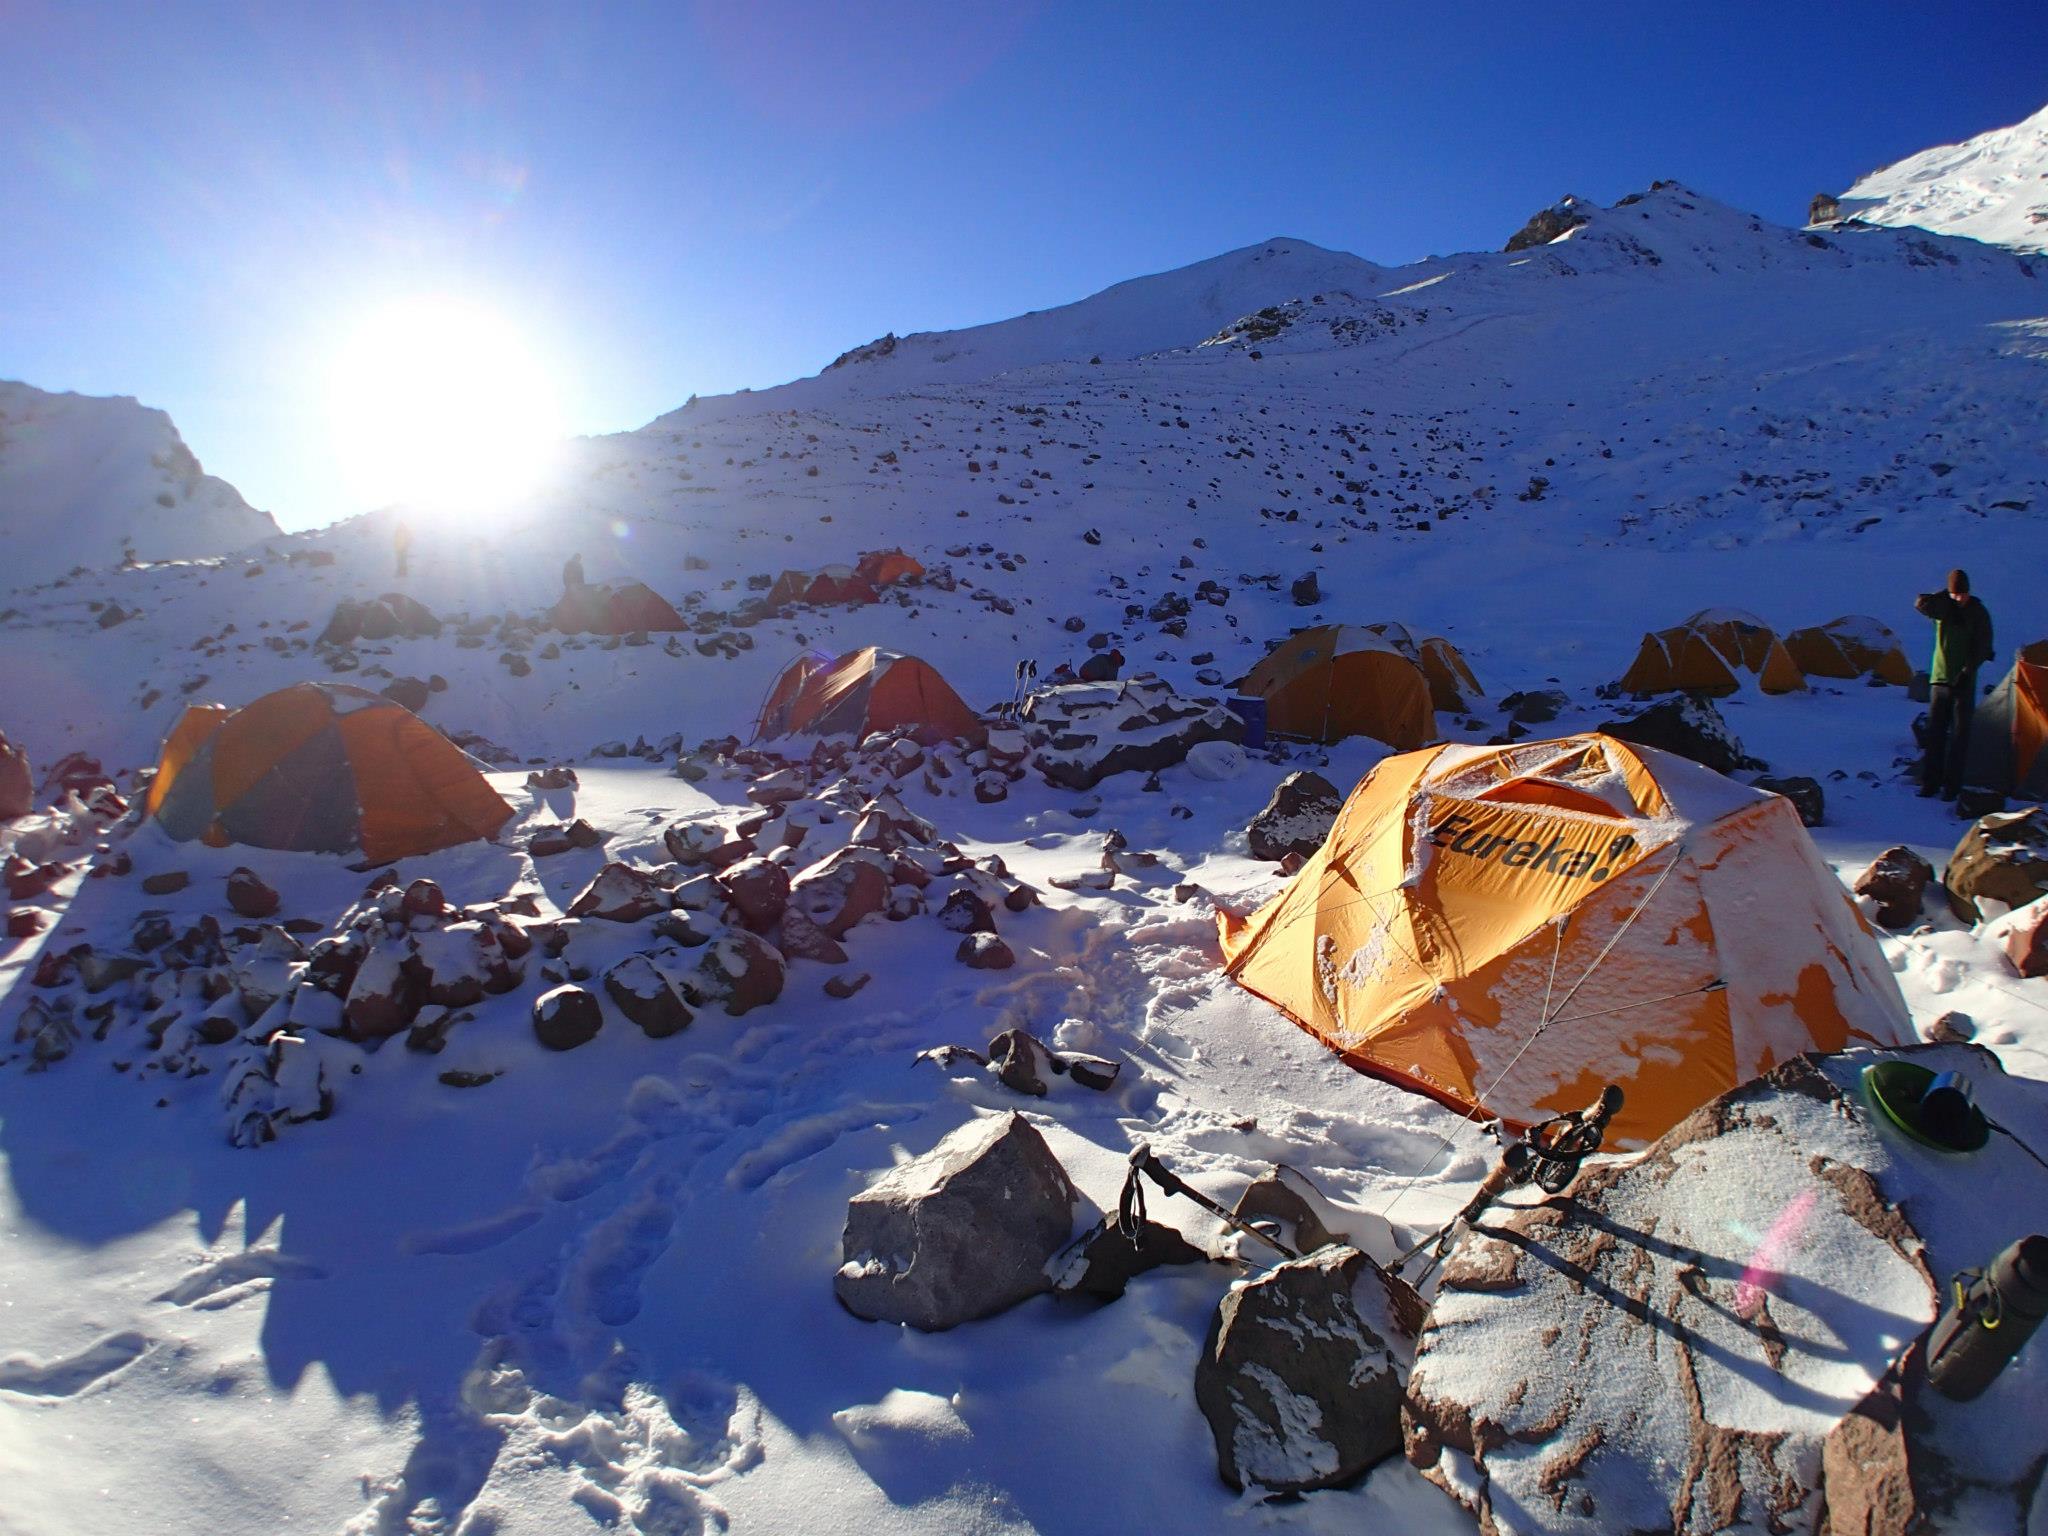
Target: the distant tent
(1707, 651)
(885, 567)
(321, 767)
(2009, 733)
(1667, 929)
(619, 608)
(1452, 687)
(1851, 646)
(862, 692)
(828, 584)
(1340, 680)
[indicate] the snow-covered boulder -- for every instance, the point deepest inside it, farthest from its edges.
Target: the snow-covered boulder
(566, 1017)
(2001, 863)
(740, 971)
(839, 891)
(645, 996)
(1300, 1377)
(960, 1233)
(1690, 726)
(1081, 733)
(1296, 820)
(250, 895)
(620, 893)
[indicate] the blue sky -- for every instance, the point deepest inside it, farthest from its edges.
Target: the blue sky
(678, 198)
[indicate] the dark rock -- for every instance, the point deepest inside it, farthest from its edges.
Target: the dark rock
(801, 939)
(1688, 725)
(621, 894)
(566, 1017)
(646, 997)
(985, 952)
(1103, 1262)
(1895, 883)
(407, 691)
(165, 882)
(759, 889)
(1299, 1378)
(17, 792)
(25, 923)
(739, 972)
(1536, 706)
(1805, 794)
(1296, 820)
(2002, 857)
(1306, 591)
(249, 895)
(839, 891)
(1547, 224)
(386, 993)
(845, 986)
(960, 1233)
(965, 912)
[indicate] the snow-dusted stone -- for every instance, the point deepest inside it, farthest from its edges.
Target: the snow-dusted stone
(249, 895)
(25, 922)
(1672, 1346)
(759, 889)
(964, 912)
(801, 939)
(845, 985)
(1103, 1262)
(1081, 733)
(2024, 937)
(167, 882)
(1300, 1376)
(1216, 761)
(17, 783)
(740, 971)
(621, 894)
(1536, 706)
(423, 898)
(461, 963)
(1296, 820)
(1688, 725)
(386, 993)
(266, 970)
(985, 952)
(1805, 793)
(1893, 887)
(2003, 858)
(566, 1018)
(646, 997)
(958, 1234)
(839, 891)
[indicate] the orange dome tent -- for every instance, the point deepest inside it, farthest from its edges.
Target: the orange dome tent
(884, 567)
(1452, 687)
(1851, 646)
(321, 767)
(862, 692)
(1704, 654)
(2009, 733)
(1340, 680)
(616, 609)
(1513, 927)
(828, 584)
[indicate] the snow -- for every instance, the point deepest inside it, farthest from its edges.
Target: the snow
(1992, 188)
(599, 1286)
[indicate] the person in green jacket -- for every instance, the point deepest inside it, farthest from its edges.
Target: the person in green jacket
(1962, 644)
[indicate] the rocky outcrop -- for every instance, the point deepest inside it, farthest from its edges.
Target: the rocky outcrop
(960, 1233)
(1081, 733)
(1548, 224)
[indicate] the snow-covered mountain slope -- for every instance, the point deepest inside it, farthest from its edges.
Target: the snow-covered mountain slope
(596, 1286)
(89, 480)
(1992, 188)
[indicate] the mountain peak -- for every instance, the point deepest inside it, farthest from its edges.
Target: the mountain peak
(1993, 188)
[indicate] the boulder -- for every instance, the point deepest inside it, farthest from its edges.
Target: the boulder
(249, 895)
(410, 692)
(839, 891)
(620, 893)
(960, 1233)
(758, 888)
(1306, 590)
(1296, 820)
(846, 985)
(964, 912)
(1690, 726)
(1103, 1262)
(2002, 859)
(2024, 938)
(1081, 733)
(985, 952)
(1804, 793)
(801, 939)
(646, 997)
(566, 1018)
(1300, 1377)
(17, 784)
(386, 994)
(166, 882)
(1894, 885)
(1674, 1345)
(1536, 706)
(741, 971)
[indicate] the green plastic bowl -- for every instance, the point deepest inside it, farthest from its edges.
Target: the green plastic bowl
(1894, 1089)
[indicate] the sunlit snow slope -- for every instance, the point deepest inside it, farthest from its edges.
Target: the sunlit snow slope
(1992, 188)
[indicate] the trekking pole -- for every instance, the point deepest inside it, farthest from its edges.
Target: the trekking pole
(1130, 1209)
(1548, 1156)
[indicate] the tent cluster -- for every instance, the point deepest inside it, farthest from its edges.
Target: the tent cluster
(1378, 680)
(845, 585)
(321, 767)
(1509, 928)
(614, 608)
(862, 692)
(1711, 651)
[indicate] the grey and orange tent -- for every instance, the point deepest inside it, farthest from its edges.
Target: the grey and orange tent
(1340, 680)
(617, 608)
(840, 584)
(2009, 733)
(1706, 653)
(324, 768)
(885, 567)
(1508, 929)
(1452, 687)
(863, 692)
(1849, 647)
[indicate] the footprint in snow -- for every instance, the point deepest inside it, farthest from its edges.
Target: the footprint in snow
(223, 1282)
(69, 1375)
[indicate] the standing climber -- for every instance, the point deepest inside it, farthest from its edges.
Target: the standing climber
(401, 544)
(572, 572)
(1962, 644)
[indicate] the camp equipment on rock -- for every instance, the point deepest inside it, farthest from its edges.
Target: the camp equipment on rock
(1548, 1157)
(1130, 1211)
(1935, 1111)
(1988, 1319)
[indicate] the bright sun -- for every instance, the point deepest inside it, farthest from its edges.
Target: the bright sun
(441, 404)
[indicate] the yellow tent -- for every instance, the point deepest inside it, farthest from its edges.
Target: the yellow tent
(1704, 654)
(1851, 646)
(1340, 680)
(1513, 927)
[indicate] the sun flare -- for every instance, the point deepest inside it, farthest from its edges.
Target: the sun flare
(442, 404)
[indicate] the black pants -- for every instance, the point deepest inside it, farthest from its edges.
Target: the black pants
(1949, 708)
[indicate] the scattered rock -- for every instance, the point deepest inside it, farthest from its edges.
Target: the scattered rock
(960, 1233)
(846, 985)
(646, 997)
(17, 783)
(759, 889)
(620, 894)
(1690, 726)
(1306, 591)
(2002, 858)
(801, 939)
(1103, 1262)
(409, 692)
(1300, 1378)
(985, 952)
(739, 971)
(1536, 706)
(1951, 1028)
(1296, 820)
(1805, 794)
(566, 1018)
(2024, 937)
(839, 891)
(249, 895)
(1894, 884)
(165, 882)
